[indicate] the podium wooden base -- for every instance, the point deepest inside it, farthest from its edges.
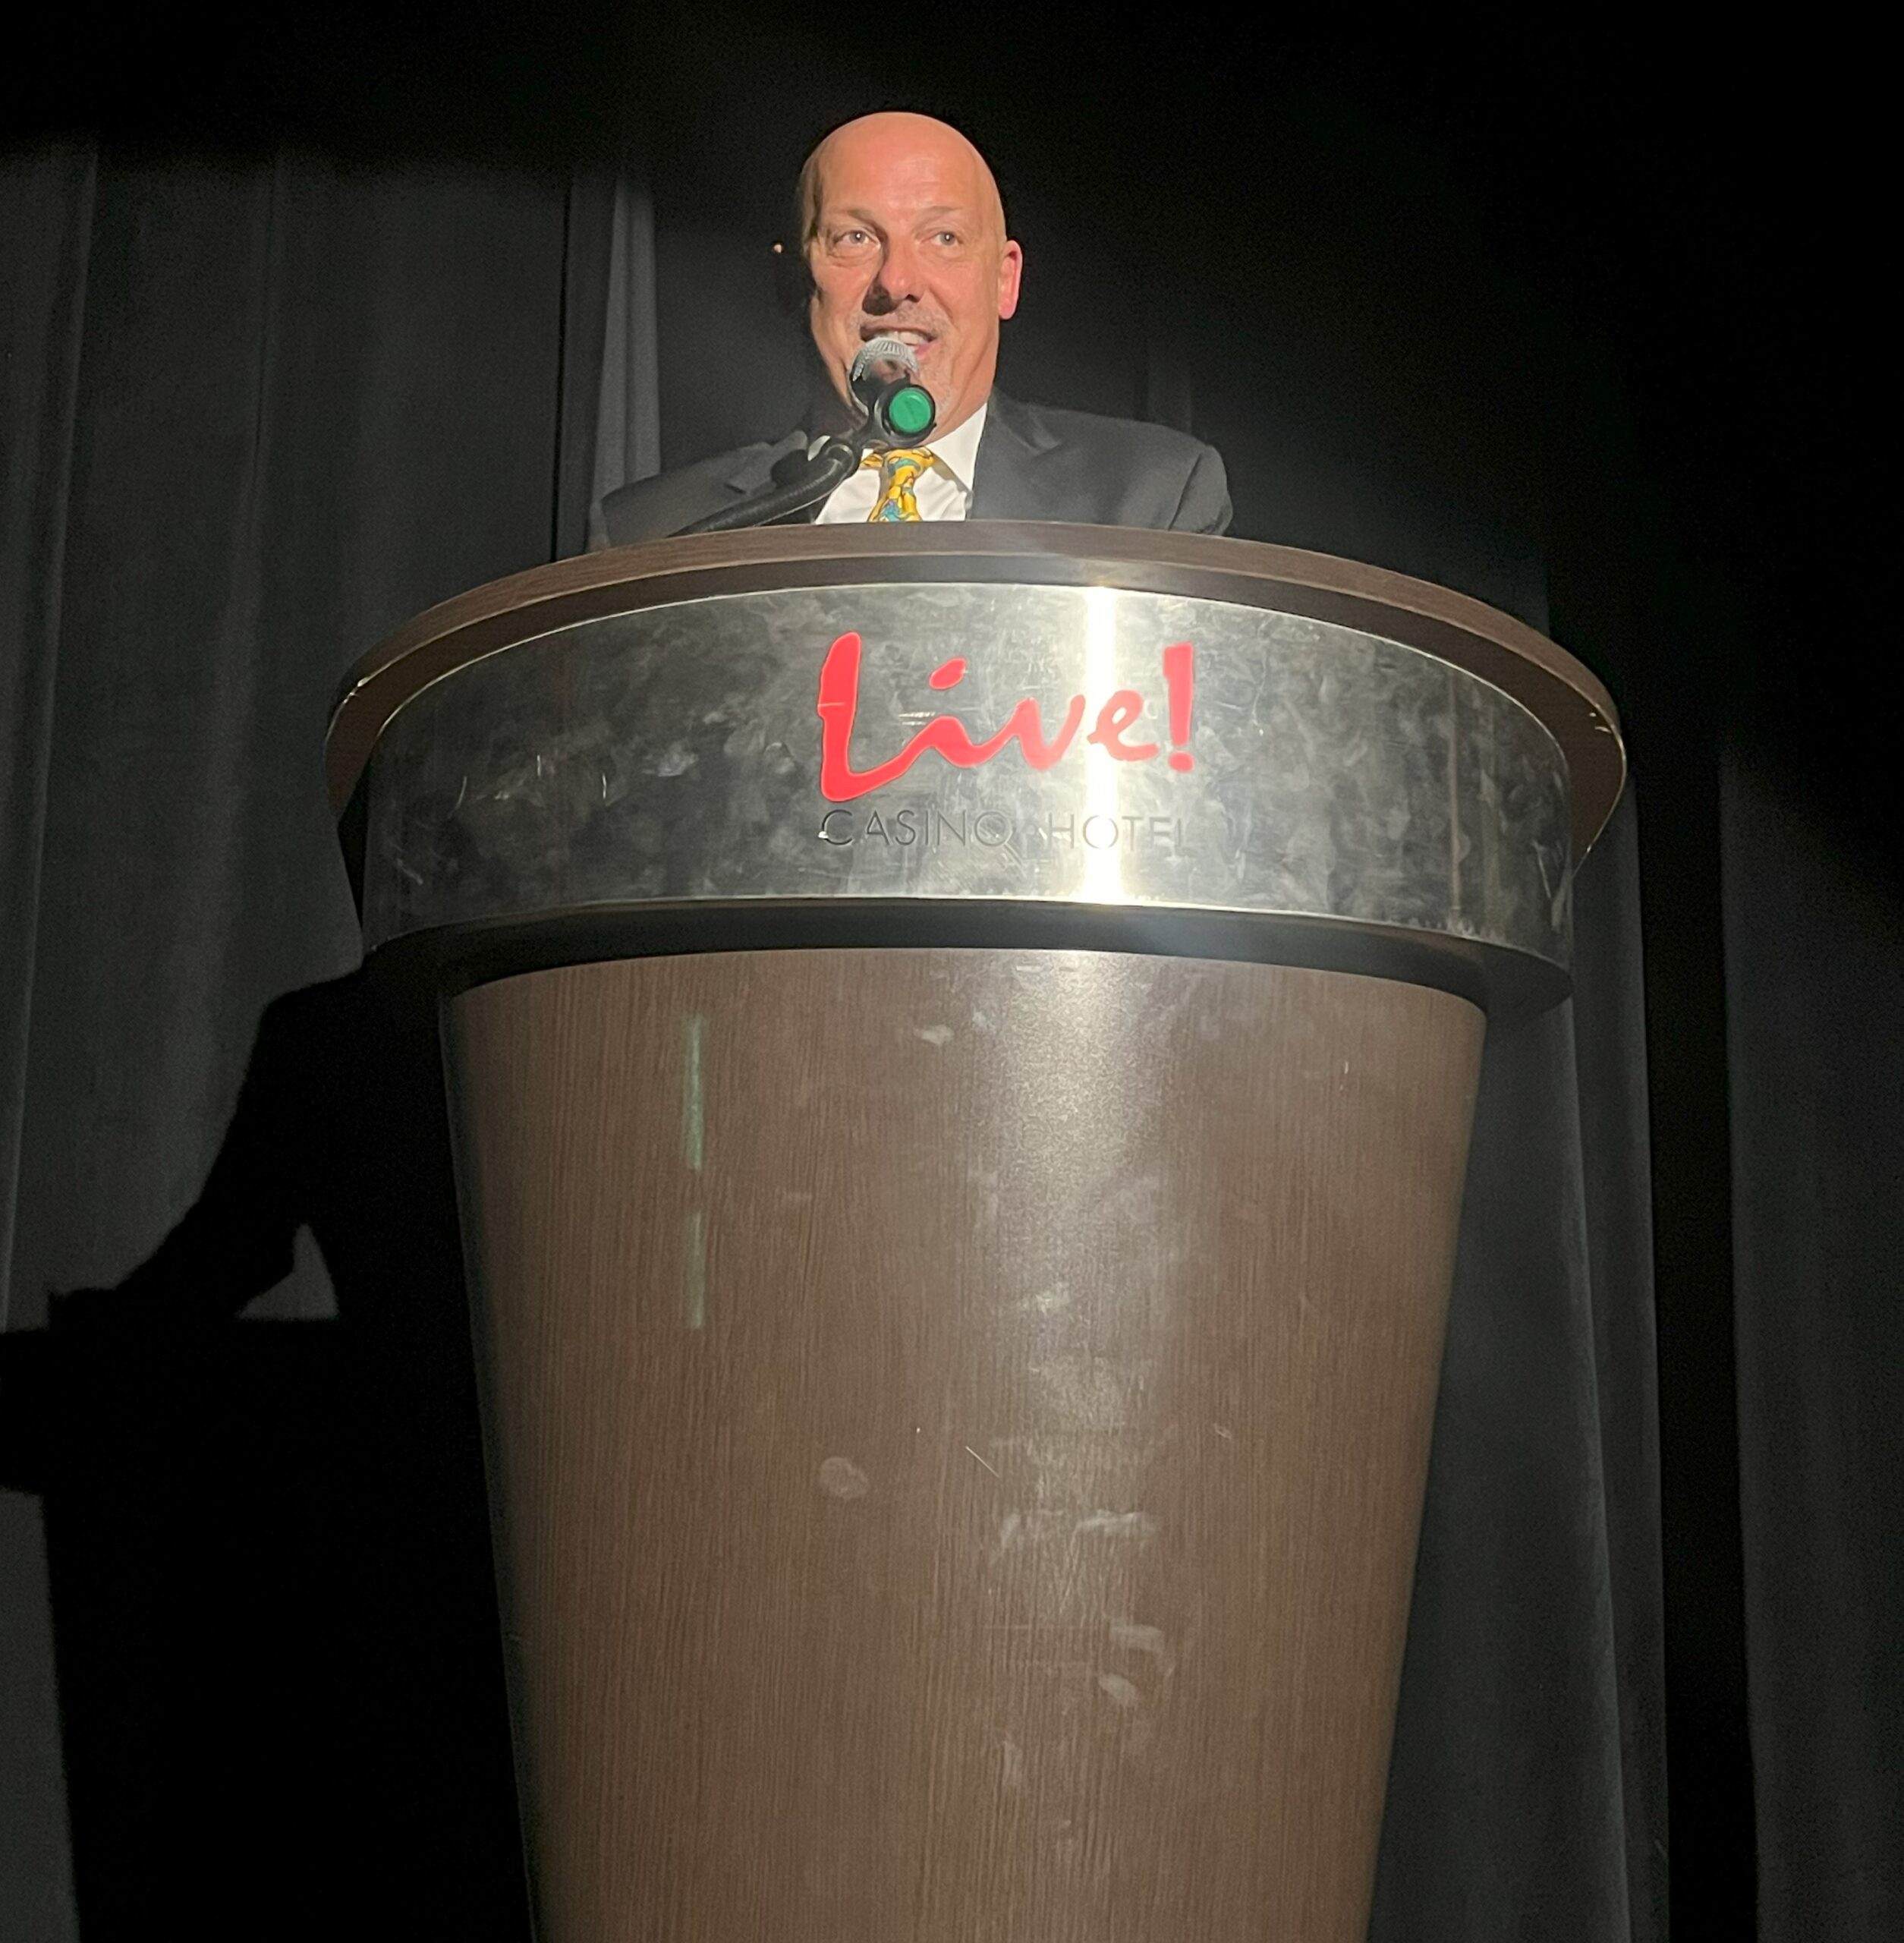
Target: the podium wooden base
(958, 1422)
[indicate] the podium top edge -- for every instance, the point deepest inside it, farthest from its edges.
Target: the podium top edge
(1554, 687)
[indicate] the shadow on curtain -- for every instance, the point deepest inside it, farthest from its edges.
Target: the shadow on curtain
(256, 413)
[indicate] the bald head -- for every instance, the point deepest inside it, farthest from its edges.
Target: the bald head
(894, 139)
(904, 232)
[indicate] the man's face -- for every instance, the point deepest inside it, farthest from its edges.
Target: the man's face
(911, 242)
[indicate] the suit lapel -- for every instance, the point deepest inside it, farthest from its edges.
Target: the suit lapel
(1010, 481)
(756, 464)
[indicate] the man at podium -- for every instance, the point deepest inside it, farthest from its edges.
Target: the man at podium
(902, 234)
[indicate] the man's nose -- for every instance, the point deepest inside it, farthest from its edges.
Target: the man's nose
(896, 282)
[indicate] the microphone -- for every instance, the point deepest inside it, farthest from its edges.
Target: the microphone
(895, 410)
(885, 382)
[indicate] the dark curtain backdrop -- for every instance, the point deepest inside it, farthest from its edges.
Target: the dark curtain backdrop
(262, 400)
(259, 410)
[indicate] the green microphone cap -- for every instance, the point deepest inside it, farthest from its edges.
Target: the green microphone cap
(909, 411)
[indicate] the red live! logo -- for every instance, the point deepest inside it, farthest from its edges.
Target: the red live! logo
(839, 701)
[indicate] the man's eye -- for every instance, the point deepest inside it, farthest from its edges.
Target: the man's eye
(948, 236)
(851, 239)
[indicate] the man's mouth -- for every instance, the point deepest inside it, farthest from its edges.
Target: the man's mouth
(919, 340)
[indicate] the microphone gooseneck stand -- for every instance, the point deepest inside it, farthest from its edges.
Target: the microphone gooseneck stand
(836, 460)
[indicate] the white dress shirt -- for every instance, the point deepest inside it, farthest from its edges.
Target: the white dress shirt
(942, 491)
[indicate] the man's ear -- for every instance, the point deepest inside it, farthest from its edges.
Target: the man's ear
(1010, 268)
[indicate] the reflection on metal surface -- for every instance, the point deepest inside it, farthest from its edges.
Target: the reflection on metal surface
(1006, 742)
(1104, 881)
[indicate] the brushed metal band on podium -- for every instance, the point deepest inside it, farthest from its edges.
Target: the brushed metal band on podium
(969, 741)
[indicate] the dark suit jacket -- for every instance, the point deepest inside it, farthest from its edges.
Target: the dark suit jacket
(1034, 463)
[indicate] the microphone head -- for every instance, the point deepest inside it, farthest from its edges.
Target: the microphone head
(882, 359)
(885, 384)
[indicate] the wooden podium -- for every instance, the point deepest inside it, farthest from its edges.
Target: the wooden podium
(963, 1041)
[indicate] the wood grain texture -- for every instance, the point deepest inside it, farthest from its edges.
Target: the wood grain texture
(959, 1421)
(1547, 681)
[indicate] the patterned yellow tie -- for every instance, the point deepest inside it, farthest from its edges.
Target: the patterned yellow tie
(898, 473)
